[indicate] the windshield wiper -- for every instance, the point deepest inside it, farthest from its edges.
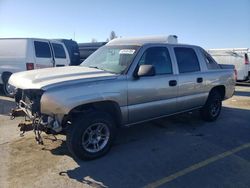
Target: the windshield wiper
(95, 67)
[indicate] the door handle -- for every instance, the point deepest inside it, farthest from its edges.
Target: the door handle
(172, 83)
(199, 80)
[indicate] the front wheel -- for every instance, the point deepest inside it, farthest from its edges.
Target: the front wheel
(212, 108)
(8, 90)
(91, 135)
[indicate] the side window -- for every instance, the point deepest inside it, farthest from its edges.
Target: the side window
(211, 63)
(42, 49)
(58, 51)
(158, 57)
(186, 59)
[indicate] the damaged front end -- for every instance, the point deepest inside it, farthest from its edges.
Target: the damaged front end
(29, 106)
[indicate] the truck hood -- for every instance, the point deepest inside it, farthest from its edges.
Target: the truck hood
(44, 78)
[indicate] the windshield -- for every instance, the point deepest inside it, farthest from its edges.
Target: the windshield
(115, 59)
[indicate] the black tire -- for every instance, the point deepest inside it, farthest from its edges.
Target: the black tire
(212, 108)
(6, 91)
(79, 129)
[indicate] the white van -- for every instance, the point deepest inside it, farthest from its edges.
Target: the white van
(239, 57)
(20, 54)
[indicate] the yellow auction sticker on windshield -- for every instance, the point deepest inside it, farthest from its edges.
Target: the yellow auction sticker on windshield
(127, 51)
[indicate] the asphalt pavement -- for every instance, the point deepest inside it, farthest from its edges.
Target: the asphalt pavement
(180, 151)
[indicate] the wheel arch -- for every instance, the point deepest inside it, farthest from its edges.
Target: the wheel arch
(109, 106)
(221, 89)
(5, 75)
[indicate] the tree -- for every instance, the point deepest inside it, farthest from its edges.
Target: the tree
(112, 35)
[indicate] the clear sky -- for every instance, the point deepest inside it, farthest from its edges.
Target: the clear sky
(208, 23)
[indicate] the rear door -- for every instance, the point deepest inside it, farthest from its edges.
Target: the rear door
(153, 96)
(43, 54)
(61, 56)
(191, 85)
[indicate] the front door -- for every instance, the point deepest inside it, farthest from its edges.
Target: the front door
(153, 96)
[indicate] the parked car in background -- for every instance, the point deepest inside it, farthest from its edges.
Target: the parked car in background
(239, 57)
(86, 49)
(127, 81)
(73, 51)
(20, 54)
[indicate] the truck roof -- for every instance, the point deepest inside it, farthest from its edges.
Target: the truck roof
(171, 39)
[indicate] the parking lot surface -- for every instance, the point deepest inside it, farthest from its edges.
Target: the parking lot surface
(179, 151)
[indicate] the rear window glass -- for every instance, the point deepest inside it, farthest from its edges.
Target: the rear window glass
(210, 62)
(42, 49)
(186, 59)
(58, 50)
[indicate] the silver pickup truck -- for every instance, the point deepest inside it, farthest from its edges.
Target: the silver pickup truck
(125, 82)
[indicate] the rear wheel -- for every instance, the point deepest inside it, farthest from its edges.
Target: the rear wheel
(212, 108)
(91, 135)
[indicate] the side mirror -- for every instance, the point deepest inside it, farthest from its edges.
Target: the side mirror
(146, 70)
